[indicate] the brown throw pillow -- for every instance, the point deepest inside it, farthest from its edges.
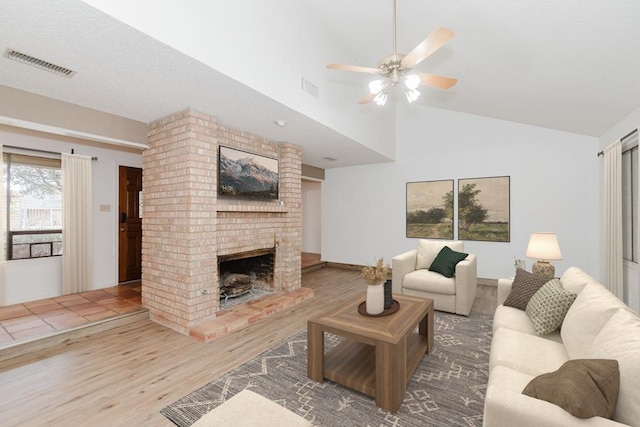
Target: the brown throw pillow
(583, 387)
(525, 284)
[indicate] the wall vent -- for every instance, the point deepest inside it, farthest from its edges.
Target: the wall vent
(39, 63)
(309, 87)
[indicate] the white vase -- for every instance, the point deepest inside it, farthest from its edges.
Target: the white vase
(375, 299)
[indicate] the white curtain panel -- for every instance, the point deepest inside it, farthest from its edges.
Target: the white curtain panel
(3, 235)
(77, 245)
(613, 217)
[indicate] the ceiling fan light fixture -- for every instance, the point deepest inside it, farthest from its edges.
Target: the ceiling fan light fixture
(412, 95)
(377, 85)
(411, 81)
(398, 69)
(381, 98)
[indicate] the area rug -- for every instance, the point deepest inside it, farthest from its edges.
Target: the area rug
(447, 388)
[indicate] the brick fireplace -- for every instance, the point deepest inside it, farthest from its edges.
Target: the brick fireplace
(187, 228)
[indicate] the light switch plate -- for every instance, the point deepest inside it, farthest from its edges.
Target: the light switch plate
(105, 208)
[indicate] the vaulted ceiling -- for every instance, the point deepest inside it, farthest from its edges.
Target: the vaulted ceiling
(571, 65)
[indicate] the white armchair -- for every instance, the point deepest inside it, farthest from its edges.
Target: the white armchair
(411, 276)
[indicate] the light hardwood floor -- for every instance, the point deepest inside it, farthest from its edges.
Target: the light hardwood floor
(126, 375)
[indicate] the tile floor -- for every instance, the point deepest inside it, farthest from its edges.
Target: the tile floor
(39, 318)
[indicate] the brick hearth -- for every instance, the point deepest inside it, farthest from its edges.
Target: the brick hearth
(186, 226)
(240, 316)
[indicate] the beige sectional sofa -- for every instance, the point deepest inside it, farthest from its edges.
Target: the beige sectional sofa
(597, 326)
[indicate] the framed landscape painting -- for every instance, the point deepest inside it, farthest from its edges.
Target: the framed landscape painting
(430, 209)
(483, 209)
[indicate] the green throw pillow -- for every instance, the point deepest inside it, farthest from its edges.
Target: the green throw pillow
(548, 306)
(446, 261)
(583, 387)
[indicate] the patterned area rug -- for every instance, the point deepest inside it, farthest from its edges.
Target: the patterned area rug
(447, 388)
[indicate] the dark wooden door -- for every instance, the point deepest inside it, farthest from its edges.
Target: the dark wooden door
(129, 224)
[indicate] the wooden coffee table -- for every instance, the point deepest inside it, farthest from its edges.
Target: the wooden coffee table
(379, 354)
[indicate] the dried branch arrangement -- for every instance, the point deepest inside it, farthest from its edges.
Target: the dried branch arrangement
(376, 275)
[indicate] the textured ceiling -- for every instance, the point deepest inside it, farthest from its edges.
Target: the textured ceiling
(563, 64)
(567, 65)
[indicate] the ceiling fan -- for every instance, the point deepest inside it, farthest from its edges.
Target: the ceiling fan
(397, 68)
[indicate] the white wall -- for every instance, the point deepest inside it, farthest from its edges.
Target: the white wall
(27, 280)
(311, 216)
(632, 280)
(554, 187)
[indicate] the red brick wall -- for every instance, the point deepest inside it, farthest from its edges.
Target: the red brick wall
(185, 225)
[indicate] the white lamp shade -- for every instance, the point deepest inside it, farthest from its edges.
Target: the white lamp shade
(544, 246)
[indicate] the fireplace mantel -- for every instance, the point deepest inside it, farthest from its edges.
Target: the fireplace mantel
(253, 208)
(246, 254)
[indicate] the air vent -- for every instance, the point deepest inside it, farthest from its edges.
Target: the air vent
(330, 159)
(39, 63)
(307, 86)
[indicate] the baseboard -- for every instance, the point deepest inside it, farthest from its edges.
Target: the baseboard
(481, 280)
(313, 267)
(345, 266)
(487, 282)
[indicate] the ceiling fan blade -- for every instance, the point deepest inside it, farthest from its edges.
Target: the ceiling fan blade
(434, 41)
(367, 98)
(436, 81)
(355, 68)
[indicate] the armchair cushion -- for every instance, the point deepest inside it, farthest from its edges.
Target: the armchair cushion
(446, 261)
(429, 249)
(429, 281)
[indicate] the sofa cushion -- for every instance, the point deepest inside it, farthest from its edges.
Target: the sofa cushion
(446, 261)
(620, 339)
(525, 284)
(529, 354)
(517, 320)
(429, 281)
(574, 279)
(591, 310)
(585, 388)
(429, 249)
(548, 306)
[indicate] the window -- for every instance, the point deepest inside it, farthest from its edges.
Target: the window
(33, 187)
(630, 199)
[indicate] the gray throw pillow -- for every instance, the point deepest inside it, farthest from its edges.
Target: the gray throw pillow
(525, 284)
(548, 306)
(583, 387)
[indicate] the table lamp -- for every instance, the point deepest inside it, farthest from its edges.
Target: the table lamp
(544, 247)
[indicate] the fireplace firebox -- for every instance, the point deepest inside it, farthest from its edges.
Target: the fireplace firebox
(247, 272)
